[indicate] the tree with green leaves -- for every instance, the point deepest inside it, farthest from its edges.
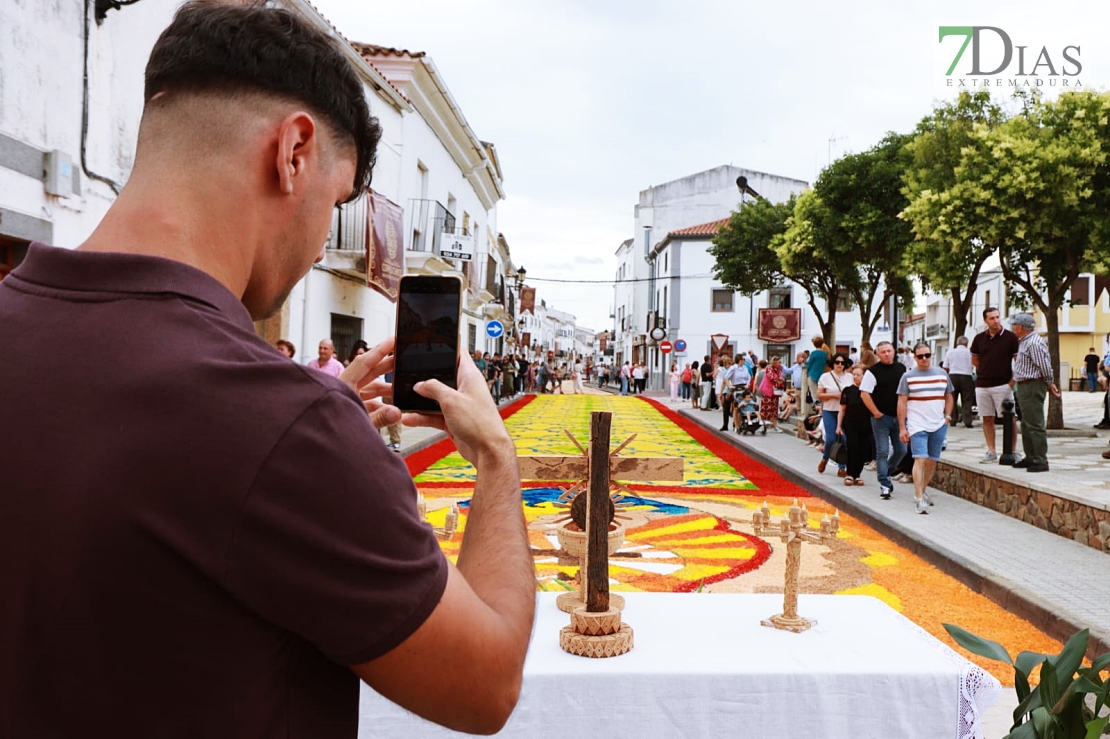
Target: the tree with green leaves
(765, 244)
(863, 196)
(745, 257)
(945, 265)
(808, 259)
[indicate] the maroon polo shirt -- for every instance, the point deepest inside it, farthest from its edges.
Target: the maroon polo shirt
(197, 536)
(996, 356)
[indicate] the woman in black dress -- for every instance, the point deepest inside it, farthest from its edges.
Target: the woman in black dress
(854, 422)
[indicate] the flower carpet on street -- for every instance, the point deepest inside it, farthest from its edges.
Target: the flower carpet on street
(696, 535)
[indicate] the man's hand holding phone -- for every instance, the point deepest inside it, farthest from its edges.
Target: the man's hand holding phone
(364, 376)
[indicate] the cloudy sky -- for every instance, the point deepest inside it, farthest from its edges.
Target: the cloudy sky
(591, 101)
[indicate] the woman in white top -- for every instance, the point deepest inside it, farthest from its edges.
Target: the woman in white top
(576, 377)
(637, 379)
(828, 392)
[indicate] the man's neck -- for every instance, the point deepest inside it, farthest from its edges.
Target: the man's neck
(996, 333)
(142, 222)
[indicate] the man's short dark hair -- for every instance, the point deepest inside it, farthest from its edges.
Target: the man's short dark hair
(213, 46)
(987, 310)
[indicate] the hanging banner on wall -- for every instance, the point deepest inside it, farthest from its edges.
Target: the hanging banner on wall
(385, 253)
(780, 325)
(528, 300)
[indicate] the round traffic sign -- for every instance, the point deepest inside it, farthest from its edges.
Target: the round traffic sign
(494, 329)
(680, 345)
(665, 347)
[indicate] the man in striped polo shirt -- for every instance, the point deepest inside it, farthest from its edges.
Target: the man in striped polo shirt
(924, 404)
(1034, 379)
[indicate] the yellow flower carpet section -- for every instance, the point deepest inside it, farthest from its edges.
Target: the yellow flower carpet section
(538, 430)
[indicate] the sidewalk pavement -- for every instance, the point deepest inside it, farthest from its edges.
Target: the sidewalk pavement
(1057, 584)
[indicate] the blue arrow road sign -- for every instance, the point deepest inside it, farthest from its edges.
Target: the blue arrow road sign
(494, 329)
(680, 345)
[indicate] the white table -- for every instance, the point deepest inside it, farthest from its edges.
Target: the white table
(703, 666)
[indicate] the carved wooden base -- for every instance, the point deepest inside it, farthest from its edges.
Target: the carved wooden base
(797, 624)
(609, 645)
(595, 624)
(568, 601)
(573, 540)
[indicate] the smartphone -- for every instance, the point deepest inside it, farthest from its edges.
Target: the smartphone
(429, 308)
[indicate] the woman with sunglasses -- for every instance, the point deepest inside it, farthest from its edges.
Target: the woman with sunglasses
(829, 388)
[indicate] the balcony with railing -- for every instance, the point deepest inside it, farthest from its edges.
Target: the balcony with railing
(346, 247)
(936, 330)
(430, 220)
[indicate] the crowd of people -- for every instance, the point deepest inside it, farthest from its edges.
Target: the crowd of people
(881, 414)
(506, 376)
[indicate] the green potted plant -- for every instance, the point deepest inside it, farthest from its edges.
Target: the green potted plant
(1057, 708)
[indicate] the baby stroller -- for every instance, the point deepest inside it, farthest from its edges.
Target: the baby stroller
(746, 412)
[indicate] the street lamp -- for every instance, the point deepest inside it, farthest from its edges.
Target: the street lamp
(521, 273)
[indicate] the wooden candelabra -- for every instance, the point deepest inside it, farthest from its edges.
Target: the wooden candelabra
(793, 530)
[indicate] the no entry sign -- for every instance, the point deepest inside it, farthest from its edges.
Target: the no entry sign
(665, 347)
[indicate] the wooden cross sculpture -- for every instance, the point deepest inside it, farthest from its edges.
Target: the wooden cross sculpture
(793, 530)
(596, 628)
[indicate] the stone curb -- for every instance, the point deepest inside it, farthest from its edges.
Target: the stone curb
(423, 444)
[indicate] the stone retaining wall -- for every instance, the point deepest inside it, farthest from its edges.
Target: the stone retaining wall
(1082, 523)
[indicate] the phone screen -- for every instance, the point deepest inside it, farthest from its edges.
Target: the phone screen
(427, 346)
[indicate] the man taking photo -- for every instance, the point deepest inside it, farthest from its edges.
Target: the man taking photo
(209, 540)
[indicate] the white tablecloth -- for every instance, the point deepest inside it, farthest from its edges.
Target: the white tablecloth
(703, 666)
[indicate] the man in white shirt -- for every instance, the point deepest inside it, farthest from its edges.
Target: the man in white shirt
(924, 405)
(958, 364)
(798, 376)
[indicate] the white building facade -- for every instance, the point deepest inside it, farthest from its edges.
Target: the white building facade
(665, 279)
(67, 138)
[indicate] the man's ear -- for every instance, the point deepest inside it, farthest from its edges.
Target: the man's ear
(297, 144)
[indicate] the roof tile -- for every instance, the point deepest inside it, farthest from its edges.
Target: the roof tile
(704, 229)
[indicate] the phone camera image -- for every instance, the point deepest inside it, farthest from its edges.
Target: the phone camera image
(427, 338)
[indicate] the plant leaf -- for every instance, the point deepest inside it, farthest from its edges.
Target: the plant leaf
(978, 645)
(1096, 727)
(1101, 662)
(1042, 720)
(1049, 687)
(1071, 656)
(1021, 685)
(1024, 731)
(1026, 661)
(1030, 704)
